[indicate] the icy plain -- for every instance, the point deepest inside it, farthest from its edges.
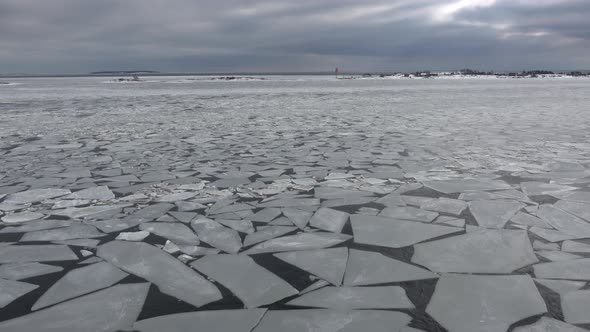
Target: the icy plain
(295, 204)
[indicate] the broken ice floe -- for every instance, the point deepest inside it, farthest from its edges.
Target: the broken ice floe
(348, 298)
(215, 320)
(328, 264)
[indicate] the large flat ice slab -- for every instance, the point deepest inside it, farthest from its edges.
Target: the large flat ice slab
(467, 303)
(563, 221)
(18, 271)
(175, 232)
(35, 195)
(36, 253)
(577, 269)
(387, 232)
(462, 185)
(80, 281)
(250, 282)
(329, 219)
(328, 264)
(102, 193)
(170, 275)
(217, 235)
(300, 241)
(369, 268)
(348, 298)
(79, 231)
(576, 307)
(484, 251)
(323, 320)
(109, 310)
(213, 321)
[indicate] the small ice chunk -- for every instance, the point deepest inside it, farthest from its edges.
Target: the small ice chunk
(348, 298)
(36, 253)
(214, 321)
(323, 320)
(392, 233)
(467, 303)
(109, 310)
(18, 271)
(576, 307)
(175, 232)
(152, 264)
(11, 290)
(470, 253)
(328, 264)
(329, 219)
(79, 282)
(369, 268)
(252, 284)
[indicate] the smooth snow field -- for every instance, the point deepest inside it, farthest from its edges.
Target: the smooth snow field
(294, 203)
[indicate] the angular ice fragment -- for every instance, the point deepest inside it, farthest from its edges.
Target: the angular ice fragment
(563, 221)
(109, 310)
(152, 264)
(76, 212)
(80, 281)
(329, 219)
(555, 255)
(301, 241)
(581, 210)
(470, 253)
(35, 195)
(65, 233)
(348, 298)
(37, 226)
(546, 324)
(445, 205)
(494, 213)
(392, 233)
(328, 264)
(408, 213)
(369, 268)
(21, 217)
(102, 193)
(467, 303)
(265, 215)
(251, 283)
(216, 235)
(242, 226)
(267, 233)
(457, 186)
(573, 246)
(528, 220)
(175, 232)
(552, 235)
(323, 320)
(561, 286)
(298, 217)
(132, 236)
(541, 188)
(577, 269)
(213, 321)
(576, 307)
(11, 290)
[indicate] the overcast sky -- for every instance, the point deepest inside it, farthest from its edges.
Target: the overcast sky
(79, 36)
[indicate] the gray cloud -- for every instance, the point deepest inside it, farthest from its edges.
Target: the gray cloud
(307, 35)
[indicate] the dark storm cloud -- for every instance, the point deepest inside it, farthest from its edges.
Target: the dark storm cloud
(309, 35)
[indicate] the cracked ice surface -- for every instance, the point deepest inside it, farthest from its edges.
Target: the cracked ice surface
(290, 194)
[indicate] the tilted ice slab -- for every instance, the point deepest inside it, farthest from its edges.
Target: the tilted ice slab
(323, 320)
(467, 303)
(240, 225)
(348, 298)
(18, 271)
(392, 233)
(146, 214)
(38, 226)
(581, 210)
(102, 193)
(573, 246)
(546, 324)
(267, 233)
(65, 233)
(408, 213)
(541, 188)
(329, 219)
(369, 268)
(575, 196)
(561, 286)
(484, 251)
(80, 281)
(556, 255)
(300, 241)
(576, 307)
(494, 213)
(291, 202)
(328, 264)
(551, 235)
(170, 275)
(35, 195)
(528, 220)
(216, 235)
(265, 215)
(457, 186)
(250, 282)
(109, 310)
(11, 290)
(175, 232)
(213, 321)
(298, 217)
(577, 269)
(563, 221)
(36, 253)
(16, 218)
(88, 211)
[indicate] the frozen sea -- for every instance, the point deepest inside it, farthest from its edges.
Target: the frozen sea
(294, 203)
